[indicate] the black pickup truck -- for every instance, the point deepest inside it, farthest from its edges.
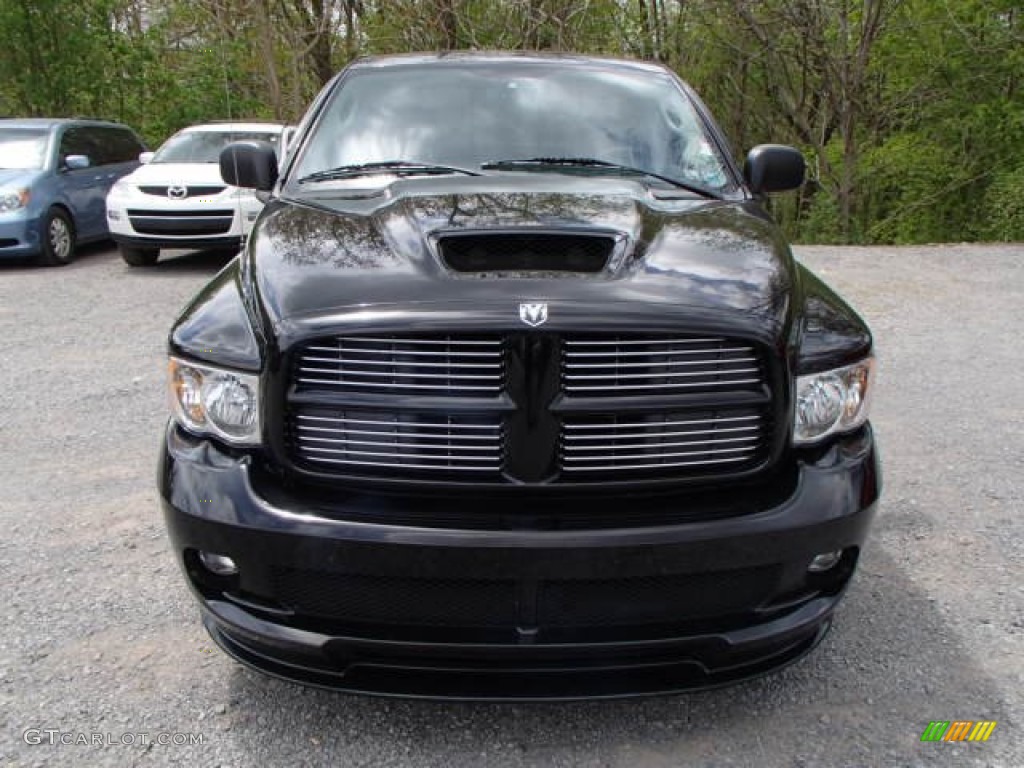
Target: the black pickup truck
(516, 391)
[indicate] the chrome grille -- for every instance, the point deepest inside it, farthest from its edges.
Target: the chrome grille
(724, 439)
(190, 191)
(440, 365)
(406, 441)
(652, 366)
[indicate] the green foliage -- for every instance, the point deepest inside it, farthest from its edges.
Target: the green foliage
(1004, 204)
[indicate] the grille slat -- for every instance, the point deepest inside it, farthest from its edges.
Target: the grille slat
(405, 364)
(445, 367)
(620, 457)
(679, 444)
(402, 375)
(448, 456)
(419, 425)
(667, 364)
(658, 374)
(353, 384)
(601, 443)
(725, 419)
(315, 441)
(649, 435)
(629, 366)
(402, 441)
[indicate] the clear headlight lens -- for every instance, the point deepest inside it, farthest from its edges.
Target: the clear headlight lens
(832, 401)
(13, 199)
(121, 188)
(215, 401)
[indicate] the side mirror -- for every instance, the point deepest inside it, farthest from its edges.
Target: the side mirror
(145, 157)
(249, 164)
(77, 162)
(773, 168)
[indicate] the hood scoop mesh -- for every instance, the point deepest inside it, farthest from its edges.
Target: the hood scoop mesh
(518, 252)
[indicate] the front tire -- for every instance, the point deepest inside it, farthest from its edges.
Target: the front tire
(139, 257)
(58, 240)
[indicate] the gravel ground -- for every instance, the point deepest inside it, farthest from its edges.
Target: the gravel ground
(101, 635)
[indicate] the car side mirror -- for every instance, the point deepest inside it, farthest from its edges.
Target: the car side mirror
(77, 162)
(145, 157)
(773, 168)
(249, 164)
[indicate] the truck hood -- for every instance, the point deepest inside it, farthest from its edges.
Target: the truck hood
(347, 259)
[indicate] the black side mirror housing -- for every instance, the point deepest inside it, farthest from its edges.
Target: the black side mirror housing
(249, 164)
(773, 168)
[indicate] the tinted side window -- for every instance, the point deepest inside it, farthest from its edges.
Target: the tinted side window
(103, 153)
(119, 145)
(77, 141)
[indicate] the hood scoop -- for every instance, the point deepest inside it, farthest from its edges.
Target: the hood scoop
(520, 252)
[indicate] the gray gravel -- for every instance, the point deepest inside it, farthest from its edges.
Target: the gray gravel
(101, 636)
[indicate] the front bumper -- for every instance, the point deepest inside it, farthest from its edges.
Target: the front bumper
(173, 221)
(514, 613)
(19, 235)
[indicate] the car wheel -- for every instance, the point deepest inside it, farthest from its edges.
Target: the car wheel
(139, 257)
(58, 241)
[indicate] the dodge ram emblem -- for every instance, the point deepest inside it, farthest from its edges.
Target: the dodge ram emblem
(533, 314)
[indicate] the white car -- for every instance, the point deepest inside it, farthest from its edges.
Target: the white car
(177, 198)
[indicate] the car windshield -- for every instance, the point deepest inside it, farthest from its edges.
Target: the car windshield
(22, 148)
(489, 115)
(205, 146)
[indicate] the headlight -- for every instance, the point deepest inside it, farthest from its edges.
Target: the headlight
(121, 188)
(13, 199)
(832, 401)
(214, 401)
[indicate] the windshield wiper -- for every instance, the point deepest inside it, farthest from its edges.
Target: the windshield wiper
(393, 167)
(544, 163)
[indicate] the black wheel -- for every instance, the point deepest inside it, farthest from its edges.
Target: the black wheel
(58, 239)
(139, 257)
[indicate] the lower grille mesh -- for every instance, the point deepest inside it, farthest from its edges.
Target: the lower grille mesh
(560, 604)
(394, 600)
(652, 599)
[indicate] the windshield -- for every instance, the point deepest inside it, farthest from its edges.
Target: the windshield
(22, 148)
(467, 115)
(205, 146)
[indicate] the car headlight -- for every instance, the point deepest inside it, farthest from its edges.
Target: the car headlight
(13, 199)
(215, 401)
(121, 188)
(832, 401)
